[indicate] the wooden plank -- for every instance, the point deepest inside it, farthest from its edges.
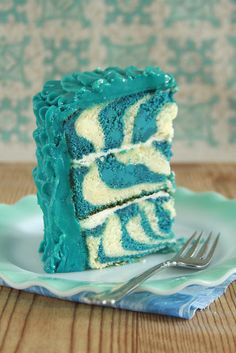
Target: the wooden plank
(33, 323)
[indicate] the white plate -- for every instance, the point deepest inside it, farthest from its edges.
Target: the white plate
(21, 231)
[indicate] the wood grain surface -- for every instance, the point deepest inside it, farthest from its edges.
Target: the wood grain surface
(36, 324)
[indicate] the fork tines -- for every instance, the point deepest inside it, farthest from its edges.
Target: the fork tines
(198, 248)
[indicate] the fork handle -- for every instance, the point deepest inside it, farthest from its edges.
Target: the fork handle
(118, 293)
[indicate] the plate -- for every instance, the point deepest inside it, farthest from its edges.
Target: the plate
(21, 230)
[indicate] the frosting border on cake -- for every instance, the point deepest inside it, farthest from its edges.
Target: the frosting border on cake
(83, 89)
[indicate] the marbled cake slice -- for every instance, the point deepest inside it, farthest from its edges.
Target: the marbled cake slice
(103, 150)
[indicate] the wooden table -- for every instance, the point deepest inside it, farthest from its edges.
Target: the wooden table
(36, 324)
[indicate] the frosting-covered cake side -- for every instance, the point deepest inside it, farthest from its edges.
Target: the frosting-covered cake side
(103, 148)
(62, 233)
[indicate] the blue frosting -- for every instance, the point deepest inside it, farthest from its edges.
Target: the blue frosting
(62, 241)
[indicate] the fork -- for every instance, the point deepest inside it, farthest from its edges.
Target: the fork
(193, 255)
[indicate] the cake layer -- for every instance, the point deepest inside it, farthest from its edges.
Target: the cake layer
(115, 178)
(130, 231)
(125, 121)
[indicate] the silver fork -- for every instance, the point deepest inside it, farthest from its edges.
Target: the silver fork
(192, 256)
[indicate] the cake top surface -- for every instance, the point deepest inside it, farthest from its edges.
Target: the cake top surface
(87, 88)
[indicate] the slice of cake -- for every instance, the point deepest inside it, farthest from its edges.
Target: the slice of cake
(103, 177)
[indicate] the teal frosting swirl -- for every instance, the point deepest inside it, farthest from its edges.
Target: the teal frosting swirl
(86, 88)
